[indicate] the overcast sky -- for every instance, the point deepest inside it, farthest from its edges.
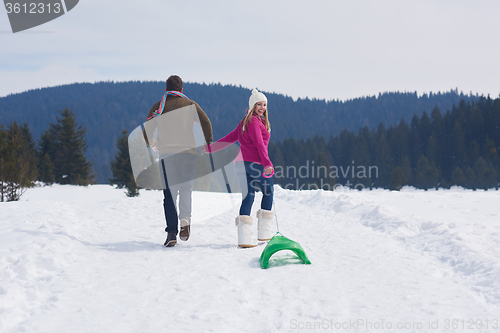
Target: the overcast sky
(316, 49)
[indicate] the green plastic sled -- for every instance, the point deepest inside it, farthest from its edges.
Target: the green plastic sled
(280, 243)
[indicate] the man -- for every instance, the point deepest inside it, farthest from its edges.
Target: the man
(170, 120)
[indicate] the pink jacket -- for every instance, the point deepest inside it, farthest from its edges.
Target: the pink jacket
(253, 143)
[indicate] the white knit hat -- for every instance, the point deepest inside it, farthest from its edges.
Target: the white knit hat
(256, 97)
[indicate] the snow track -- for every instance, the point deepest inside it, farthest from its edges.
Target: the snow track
(76, 259)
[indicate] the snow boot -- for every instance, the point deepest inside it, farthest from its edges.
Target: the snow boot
(171, 239)
(264, 224)
(245, 236)
(185, 230)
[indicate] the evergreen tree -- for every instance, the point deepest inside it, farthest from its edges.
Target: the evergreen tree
(426, 174)
(277, 157)
(382, 159)
(346, 144)
(322, 172)
(3, 162)
(490, 151)
(121, 167)
(407, 169)
(438, 128)
(416, 143)
(360, 161)
(68, 151)
(31, 154)
(437, 120)
(458, 149)
(399, 141)
(46, 169)
(29, 142)
(17, 162)
(474, 124)
(486, 177)
(425, 130)
(474, 151)
(432, 150)
(470, 178)
(44, 153)
(397, 179)
(458, 177)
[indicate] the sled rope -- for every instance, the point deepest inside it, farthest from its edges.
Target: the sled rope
(275, 212)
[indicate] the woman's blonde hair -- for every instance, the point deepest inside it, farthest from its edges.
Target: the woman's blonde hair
(248, 118)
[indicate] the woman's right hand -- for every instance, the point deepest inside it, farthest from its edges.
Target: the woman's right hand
(206, 148)
(268, 171)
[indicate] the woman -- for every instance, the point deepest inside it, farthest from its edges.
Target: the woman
(253, 134)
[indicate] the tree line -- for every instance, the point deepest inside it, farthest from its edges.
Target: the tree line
(59, 156)
(106, 108)
(459, 148)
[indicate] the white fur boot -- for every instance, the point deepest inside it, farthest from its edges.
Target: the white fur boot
(245, 235)
(264, 226)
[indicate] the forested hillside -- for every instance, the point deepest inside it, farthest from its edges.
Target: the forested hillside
(107, 108)
(440, 149)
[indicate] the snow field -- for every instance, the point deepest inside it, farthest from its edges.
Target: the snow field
(89, 259)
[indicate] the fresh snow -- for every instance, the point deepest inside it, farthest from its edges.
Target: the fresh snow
(90, 259)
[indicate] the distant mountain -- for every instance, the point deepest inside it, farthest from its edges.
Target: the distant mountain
(106, 108)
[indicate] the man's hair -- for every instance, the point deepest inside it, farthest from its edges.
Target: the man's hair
(174, 83)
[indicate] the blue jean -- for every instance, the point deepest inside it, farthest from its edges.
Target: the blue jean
(255, 182)
(180, 169)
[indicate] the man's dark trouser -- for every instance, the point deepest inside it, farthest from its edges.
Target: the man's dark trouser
(170, 211)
